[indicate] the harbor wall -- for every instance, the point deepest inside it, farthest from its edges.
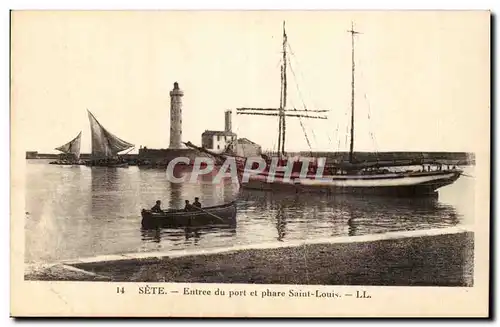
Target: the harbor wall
(452, 158)
(459, 158)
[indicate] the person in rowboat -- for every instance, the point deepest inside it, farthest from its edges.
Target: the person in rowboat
(157, 207)
(188, 206)
(197, 203)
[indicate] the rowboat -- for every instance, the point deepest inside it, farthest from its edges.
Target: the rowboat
(224, 214)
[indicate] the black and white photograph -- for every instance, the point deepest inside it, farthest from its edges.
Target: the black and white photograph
(295, 151)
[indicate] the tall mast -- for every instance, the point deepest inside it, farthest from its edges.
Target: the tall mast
(283, 97)
(351, 148)
(280, 116)
(281, 112)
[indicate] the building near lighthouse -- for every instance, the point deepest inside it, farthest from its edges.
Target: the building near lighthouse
(218, 141)
(215, 141)
(227, 141)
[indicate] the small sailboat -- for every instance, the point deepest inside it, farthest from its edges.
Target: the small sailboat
(106, 146)
(70, 152)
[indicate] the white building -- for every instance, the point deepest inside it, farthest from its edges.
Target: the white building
(220, 141)
(217, 141)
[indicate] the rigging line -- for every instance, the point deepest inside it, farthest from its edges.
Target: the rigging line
(371, 129)
(280, 61)
(303, 104)
(274, 144)
(346, 134)
(305, 134)
(336, 133)
(329, 139)
(339, 137)
(280, 118)
(302, 75)
(298, 89)
(361, 78)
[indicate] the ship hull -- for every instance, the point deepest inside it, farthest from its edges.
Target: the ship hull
(399, 185)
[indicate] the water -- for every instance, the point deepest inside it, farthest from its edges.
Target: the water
(79, 211)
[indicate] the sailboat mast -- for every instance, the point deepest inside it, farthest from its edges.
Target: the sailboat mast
(280, 110)
(351, 148)
(284, 86)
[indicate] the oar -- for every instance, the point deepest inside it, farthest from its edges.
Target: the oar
(207, 213)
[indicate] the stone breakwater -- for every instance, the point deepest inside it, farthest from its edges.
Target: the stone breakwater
(452, 158)
(421, 258)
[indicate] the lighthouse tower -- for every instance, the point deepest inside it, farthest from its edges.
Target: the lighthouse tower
(176, 117)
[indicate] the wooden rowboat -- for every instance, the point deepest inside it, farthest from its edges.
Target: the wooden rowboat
(216, 215)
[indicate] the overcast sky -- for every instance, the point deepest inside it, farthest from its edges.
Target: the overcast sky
(422, 78)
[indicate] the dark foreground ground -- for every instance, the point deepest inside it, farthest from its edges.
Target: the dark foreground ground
(443, 260)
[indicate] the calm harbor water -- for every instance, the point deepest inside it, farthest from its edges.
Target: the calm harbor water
(80, 211)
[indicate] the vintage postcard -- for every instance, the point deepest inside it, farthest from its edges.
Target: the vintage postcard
(250, 163)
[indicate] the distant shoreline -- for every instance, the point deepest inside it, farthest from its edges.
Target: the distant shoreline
(452, 158)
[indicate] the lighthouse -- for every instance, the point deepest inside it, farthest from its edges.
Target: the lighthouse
(176, 117)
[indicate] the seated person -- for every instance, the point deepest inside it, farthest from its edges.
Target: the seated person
(197, 203)
(187, 206)
(157, 207)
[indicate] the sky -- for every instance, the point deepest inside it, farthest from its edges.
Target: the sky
(422, 78)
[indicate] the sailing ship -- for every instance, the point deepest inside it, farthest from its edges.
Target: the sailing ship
(106, 146)
(70, 152)
(342, 177)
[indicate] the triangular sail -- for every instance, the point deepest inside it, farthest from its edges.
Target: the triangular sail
(72, 147)
(104, 143)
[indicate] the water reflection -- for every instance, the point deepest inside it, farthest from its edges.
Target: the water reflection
(281, 222)
(176, 201)
(346, 214)
(106, 187)
(153, 235)
(88, 211)
(353, 227)
(191, 233)
(195, 234)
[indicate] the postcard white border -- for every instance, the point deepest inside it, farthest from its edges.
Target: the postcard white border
(96, 290)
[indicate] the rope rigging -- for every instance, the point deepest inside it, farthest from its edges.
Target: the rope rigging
(370, 127)
(299, 91)
(281, 112)
(305, 109)
(369, 114)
